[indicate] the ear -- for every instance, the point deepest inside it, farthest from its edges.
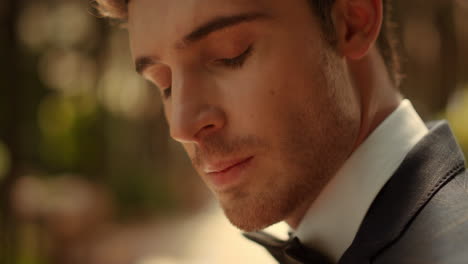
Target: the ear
(357, 24)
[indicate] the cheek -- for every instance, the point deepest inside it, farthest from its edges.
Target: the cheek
(261, 98)
(254, 104)
(291, 68)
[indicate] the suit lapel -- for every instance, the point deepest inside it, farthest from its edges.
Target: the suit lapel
(434, 161)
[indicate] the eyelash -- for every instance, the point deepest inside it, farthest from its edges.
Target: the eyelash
(238, 61)
(234, 63)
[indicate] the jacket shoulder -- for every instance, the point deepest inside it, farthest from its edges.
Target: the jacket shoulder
(439, 232)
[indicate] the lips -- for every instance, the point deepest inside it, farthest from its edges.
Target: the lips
(223, 166)
(225, 174)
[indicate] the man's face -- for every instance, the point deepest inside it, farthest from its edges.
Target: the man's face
(259, 101)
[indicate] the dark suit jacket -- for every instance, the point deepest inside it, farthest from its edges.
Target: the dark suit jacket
(421, 214)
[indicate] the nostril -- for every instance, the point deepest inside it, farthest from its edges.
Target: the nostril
(206, 130)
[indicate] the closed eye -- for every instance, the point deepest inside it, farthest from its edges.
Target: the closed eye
(237, 61)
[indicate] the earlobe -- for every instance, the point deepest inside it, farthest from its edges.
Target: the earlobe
(357, 24)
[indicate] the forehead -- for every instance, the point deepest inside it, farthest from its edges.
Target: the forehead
(163, 22)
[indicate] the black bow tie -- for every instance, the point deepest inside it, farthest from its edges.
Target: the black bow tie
(287, 252)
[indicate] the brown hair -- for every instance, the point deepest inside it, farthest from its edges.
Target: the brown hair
(386, 42)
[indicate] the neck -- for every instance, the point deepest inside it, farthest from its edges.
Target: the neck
(377, 93)
(378, 98)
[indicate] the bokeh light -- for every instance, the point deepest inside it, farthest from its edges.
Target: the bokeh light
(67, 71)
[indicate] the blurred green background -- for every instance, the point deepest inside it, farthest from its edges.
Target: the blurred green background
(87, 170)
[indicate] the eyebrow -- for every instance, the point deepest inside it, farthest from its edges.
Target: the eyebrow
(219, 23)
(213, 25)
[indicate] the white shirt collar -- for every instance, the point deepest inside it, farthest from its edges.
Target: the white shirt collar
(332, 221)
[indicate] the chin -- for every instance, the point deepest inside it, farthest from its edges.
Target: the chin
(255, 212)
(251, 224)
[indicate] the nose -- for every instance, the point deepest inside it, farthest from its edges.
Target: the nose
(195, 113)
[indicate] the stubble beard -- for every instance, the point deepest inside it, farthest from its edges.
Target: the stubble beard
(307, 158)
(308, 167)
